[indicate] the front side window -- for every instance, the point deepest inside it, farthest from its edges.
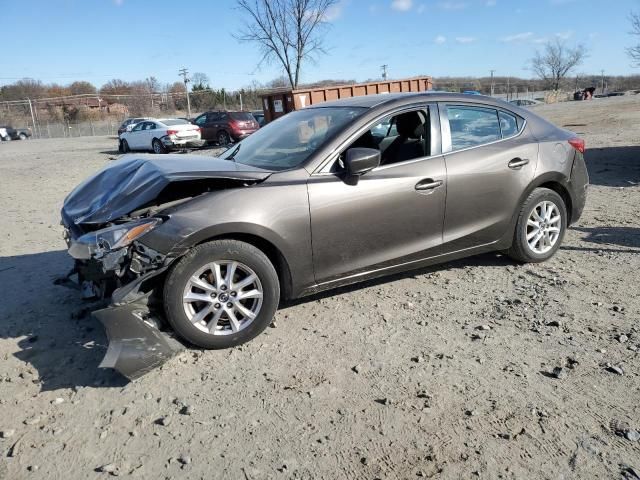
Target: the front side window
(472, 126)
(400, 137)
(288, 141)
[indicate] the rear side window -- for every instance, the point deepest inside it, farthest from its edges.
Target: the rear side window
(175, 121)
(508, 124)
(472, 126)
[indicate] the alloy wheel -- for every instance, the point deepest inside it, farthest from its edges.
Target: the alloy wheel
(543, 227)
(223, 297)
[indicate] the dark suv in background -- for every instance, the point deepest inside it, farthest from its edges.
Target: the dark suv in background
(225, 127)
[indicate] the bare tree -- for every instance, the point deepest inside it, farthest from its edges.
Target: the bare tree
(287, 31)
(634, 52)
(556, 61)
(200, 81)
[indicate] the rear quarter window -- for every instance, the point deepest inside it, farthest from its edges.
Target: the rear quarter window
(508, 124)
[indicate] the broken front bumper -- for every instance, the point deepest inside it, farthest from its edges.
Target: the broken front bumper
(136, 345)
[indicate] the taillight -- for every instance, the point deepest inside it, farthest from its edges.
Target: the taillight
(172, 132)
(577, 143)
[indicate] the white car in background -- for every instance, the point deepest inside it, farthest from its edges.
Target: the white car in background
(161, 135)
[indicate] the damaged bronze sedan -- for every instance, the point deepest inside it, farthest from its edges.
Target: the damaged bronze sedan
(322, 197)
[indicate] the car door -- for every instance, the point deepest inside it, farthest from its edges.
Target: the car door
(221, 123)
(490, 162)
(202, 122)
(388, 216)
(153, 130)
(135, 136)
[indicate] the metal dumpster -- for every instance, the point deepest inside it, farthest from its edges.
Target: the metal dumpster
(278, 102)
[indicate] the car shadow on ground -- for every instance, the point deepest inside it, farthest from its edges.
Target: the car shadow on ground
(614, 166)
(58, 340)
(493, 259)
(605, 236)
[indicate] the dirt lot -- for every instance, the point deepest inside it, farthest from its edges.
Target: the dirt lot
(441, 373)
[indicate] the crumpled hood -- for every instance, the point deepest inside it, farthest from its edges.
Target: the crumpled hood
(135, 180)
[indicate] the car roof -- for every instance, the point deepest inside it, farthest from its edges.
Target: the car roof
(371, 101)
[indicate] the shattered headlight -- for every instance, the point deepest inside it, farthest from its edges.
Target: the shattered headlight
(111, 238)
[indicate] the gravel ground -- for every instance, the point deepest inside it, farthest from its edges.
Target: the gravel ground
(477, 368)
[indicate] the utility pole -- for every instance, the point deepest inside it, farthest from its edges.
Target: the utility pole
(33, 118)
(184, 72)
(508, 88)
(602, 73)
(384, 71)
(492, 82)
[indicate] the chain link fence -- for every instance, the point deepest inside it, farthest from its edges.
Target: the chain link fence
(93, 115)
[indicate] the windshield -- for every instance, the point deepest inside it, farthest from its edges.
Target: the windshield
(288, 141)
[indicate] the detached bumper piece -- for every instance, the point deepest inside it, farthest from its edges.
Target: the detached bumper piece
(135, 346)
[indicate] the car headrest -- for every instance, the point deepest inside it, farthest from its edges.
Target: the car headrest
(410, 125)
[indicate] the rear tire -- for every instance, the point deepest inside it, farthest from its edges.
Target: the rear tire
(125, 147)
(540, 228)
(157, 146)
(223, 138)
(22, 136)
(215, 330)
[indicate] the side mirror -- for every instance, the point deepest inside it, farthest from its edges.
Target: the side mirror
(359, 161)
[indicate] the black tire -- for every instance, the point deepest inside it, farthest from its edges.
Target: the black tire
(157, 146)
(23, 136)
(201, 255)
(520, 249)
(125, 146)
(223, 138)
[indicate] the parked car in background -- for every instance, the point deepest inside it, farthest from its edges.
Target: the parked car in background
(129, 123)
(523, 102)
(4, 135)
(225, 127)
(313, 201)
(161, 136)
(259, 116)
(17, 133)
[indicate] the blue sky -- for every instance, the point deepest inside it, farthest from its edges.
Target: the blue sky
(97, 40)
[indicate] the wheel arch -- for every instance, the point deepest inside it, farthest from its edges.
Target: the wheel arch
(555, 181)
(273, 253)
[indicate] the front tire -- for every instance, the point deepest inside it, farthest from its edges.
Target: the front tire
(221, 294)
(22, 136)
(157, 146)
(540, 228)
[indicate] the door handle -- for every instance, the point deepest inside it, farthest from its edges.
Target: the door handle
(428, 184)
(517, 163)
